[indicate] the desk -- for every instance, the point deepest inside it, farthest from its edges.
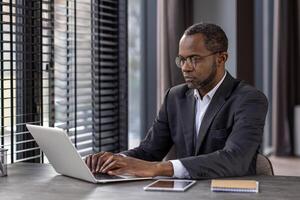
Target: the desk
(39, 181)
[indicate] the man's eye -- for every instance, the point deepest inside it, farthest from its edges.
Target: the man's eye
(196, 58)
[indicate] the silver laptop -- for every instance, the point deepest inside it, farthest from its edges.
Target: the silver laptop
(64, 157)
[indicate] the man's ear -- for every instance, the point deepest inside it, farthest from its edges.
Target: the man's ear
(222, 58)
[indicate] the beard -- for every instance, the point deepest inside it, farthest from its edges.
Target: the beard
(202, 84)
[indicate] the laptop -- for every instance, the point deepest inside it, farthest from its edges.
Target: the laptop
(65, 159)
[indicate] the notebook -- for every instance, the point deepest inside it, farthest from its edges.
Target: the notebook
(234, 186)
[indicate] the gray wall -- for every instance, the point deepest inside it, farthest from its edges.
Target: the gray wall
(222, 13)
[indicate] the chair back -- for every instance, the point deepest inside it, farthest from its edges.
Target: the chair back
(264, 165)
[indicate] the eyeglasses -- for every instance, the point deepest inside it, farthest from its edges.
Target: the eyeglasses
(191, 60)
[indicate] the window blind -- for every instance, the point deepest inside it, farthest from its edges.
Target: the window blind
(90, 73)
(26, 39)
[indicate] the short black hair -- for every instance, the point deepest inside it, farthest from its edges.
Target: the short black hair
(215, 38)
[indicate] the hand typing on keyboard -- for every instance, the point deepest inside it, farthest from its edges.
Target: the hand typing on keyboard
(116, 164)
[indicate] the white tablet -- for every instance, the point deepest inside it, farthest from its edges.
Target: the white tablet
(170, 185)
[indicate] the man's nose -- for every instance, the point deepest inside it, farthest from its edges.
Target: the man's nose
(187, 67)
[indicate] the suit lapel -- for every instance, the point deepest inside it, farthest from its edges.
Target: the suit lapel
(213, 108)
(215, 105)
(188, 120)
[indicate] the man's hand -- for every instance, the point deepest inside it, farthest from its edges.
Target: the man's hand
(95, 161)
(106, 162)
(119, 165)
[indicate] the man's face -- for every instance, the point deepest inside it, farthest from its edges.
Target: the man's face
(204, 72)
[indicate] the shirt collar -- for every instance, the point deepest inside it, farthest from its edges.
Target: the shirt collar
(212, 92)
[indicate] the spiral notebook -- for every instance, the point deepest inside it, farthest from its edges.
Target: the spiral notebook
(234, 186)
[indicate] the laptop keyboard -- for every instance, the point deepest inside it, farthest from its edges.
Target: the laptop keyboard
(101, 176)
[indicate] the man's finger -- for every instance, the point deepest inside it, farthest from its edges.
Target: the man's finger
(115, 172)
(106, 163)
(85, 159)
(94, 162)
(88, 161)
(110, 166)
(99, 163)
(104, 157)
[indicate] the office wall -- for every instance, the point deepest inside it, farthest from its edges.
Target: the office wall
(222, 13)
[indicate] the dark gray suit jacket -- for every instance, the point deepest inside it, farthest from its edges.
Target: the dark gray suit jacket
(229, 137)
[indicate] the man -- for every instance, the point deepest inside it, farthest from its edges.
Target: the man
(214, 121)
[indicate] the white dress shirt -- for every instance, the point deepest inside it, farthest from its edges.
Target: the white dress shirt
(201, 107)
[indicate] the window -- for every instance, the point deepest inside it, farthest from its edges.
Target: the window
(142, 16)
(134, 71)
(73, 72)
(25, 44)
(63, 64)
(90, 65)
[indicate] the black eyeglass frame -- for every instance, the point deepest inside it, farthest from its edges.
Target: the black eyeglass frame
(192, 60)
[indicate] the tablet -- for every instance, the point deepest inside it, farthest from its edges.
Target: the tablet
(170, 185)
